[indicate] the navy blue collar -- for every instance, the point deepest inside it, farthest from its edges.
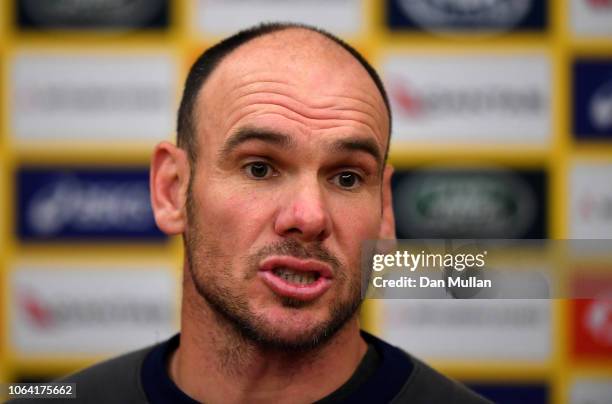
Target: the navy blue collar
(156, 382)
(382, 386)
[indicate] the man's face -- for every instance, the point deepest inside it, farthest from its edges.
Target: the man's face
(287, 185)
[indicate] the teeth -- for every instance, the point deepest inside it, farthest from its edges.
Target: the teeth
(301, 278)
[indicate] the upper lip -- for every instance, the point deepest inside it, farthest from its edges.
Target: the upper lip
(296, 264)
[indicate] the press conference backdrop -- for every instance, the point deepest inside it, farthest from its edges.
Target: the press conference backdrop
(507, 96)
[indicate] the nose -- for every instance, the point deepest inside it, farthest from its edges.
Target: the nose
(304, 215)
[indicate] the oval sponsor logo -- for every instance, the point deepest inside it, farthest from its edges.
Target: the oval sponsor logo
(490, 15)
(115, 13)
(457, 204)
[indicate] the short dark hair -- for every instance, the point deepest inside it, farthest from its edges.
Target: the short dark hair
(210, 59)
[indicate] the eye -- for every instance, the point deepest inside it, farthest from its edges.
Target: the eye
(347, 180)
(258, 170)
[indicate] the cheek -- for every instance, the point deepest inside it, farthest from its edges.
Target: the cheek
(234, 215)
(362, 217)
(354, 224)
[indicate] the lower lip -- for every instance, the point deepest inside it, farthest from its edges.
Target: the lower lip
(283, 288)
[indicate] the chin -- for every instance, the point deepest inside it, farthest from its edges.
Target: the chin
(290, 321)
(294, 329)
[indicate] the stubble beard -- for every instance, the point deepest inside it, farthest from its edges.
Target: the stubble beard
(208, 270)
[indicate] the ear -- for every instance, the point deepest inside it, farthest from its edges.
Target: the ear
(387, 226)
(169, 180)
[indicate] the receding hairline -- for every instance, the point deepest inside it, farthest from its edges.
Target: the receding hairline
(308, 32)
(189, 114)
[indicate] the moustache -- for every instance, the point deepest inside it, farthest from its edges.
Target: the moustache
(291, 247)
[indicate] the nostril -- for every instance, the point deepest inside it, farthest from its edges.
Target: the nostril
(294, 230)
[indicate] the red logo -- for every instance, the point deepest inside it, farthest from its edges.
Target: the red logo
(407, 102)
(36, 312)
(592, 318)
(600, 3)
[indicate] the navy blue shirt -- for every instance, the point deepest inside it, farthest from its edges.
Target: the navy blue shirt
(380, 376)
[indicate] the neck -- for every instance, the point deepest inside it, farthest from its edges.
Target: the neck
(214, 363)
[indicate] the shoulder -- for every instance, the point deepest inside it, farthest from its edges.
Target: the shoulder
(111, 379)
(421, 383)
(114, 380)
(426, 385)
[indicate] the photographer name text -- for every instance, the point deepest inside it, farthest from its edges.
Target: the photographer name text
(406, 261)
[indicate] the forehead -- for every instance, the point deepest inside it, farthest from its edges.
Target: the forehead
(300, 70)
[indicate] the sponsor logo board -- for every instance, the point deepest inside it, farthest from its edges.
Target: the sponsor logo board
(469, 99)
(591, 17)
(99, 98)
(445, 16)
(592, 87)
(223, 17)
(509, 330)
(592, 318)
(590, 207)
(107, 15)
(470, 203)
(591, 391)
(84, 204)
(90, 310)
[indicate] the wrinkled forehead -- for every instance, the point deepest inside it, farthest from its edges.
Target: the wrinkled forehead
(307, 62)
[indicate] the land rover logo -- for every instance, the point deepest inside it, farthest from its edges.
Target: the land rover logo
(464, 204)
(115, 13)
(496, 15)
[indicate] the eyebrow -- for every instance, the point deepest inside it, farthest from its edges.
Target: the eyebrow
(244, 135)
(368, 146)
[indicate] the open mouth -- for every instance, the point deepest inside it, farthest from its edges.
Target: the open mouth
(296, 278)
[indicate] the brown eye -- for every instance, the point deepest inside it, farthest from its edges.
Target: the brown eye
(347, 180)
(258, 170)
